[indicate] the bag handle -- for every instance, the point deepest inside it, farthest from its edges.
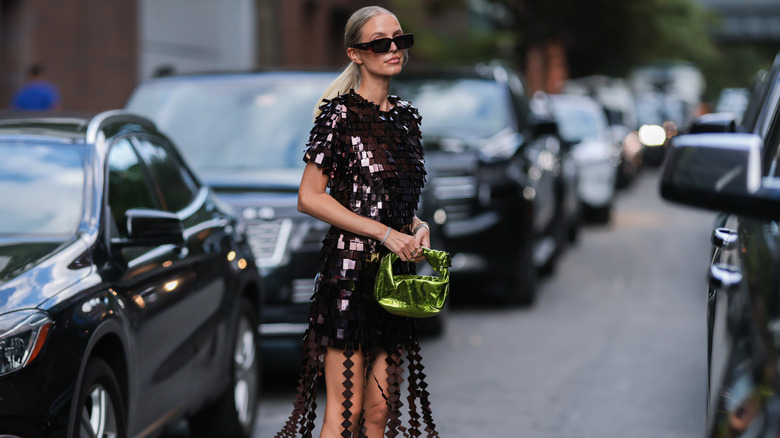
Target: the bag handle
(440, 261)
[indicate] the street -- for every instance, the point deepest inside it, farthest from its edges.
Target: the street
(614, 346)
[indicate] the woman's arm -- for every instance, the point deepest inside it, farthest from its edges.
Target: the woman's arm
(314, 200)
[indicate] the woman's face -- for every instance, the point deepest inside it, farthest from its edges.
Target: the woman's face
(379, 64)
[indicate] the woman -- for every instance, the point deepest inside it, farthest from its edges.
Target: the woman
(365, 146)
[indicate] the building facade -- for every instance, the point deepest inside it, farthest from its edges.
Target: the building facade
(95, 52)
(746, 21)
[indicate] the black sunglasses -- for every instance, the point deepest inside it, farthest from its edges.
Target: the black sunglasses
(382, 45)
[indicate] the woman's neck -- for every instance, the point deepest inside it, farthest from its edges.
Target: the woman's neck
(375, 90)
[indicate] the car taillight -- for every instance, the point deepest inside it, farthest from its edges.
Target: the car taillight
(22, 335)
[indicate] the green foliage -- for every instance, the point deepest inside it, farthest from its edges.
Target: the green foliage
(601, 36)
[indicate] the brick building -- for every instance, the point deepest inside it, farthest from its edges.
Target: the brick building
(96, 51)
(88, 48)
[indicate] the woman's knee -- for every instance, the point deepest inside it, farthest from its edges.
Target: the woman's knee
(376, 413)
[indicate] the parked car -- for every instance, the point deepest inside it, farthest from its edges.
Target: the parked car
(245, 133)
(583, 127)
(496, 186)
(733, 169)
(129, 297)
(617, 100)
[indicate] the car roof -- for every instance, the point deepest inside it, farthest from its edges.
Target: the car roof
(69, 127)
(270, 75)
(43, 125)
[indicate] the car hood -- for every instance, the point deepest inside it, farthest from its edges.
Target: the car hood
(16, 258)
(35, 271)
(276, 180)
(265, 194)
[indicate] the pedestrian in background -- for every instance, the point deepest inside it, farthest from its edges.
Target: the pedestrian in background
(366, 147)
(36, 93)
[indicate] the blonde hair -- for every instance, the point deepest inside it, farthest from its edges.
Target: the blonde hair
(351, 76)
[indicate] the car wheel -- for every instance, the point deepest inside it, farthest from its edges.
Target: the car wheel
(100, 408)
(522, 283)
(234, 413)
(601, 215)
(573, 232)
(434, 326)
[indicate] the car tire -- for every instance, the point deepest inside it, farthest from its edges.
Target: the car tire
(434, 326)
(523, 282)
(234, 413)
(573, 231)
(601, 215)
(99, 403)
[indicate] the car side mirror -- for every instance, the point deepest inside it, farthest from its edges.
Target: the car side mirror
(151, 228)
(714, 122)
(719, 172)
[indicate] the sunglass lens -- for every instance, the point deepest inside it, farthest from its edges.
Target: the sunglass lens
(381, 45)
(404, 41)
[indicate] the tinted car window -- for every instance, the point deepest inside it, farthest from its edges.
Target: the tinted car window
(127, 185)
(177, 186)
(458, 107)
(256, 124)
(42, 189)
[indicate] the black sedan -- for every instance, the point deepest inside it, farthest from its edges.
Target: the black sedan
(129, 299)
(734, 169)
(497, 188)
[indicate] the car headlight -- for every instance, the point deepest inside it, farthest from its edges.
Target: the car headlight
(652, 135)
(22, 335)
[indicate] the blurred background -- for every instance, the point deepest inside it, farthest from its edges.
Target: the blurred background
(623, 318)
(96, 51)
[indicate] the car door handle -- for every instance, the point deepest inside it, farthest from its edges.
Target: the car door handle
(724, 277)
(724, 238)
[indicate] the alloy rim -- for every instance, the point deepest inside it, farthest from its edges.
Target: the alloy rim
(245, 369)
(99, 415)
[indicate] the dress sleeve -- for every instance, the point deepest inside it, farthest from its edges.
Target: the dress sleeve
(325, 147)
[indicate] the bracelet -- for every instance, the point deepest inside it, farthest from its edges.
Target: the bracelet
(386, 234)
(421, 224)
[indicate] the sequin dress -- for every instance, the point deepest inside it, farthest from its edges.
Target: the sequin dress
(375, 163)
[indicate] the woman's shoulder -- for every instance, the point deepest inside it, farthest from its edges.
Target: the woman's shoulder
(405, 107)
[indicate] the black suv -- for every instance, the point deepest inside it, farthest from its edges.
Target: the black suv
(735, 169)
(497, 188)
(129, 297)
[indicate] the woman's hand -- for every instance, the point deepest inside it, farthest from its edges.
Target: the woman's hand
(423, 239)
(406, 247)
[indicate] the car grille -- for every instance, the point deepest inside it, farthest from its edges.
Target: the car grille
(455, 187)
(269, 239)
(455, 194)
(303, 289)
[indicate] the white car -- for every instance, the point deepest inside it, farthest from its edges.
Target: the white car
(583, 125)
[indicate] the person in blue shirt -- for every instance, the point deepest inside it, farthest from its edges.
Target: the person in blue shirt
(36, 93)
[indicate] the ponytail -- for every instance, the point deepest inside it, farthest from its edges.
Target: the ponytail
(347, 80)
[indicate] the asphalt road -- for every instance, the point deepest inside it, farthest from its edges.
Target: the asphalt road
(614, 346)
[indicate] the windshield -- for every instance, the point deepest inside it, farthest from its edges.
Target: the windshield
(456, 108)
(577, 123)
(239, 124)
(42, 189)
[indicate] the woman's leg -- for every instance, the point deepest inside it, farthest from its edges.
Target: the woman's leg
(382, 397)
(344, 382)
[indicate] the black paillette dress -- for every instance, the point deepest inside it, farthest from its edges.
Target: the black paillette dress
(375, 163)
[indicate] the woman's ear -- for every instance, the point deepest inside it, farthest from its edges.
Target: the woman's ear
(354, 55)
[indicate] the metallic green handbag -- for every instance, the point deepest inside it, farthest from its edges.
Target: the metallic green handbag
(418, 296)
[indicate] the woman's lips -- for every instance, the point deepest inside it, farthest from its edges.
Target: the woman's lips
(395, 60)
